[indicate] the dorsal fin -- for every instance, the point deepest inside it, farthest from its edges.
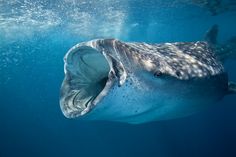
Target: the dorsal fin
(211, 35)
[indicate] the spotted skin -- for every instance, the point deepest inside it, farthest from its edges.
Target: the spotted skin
(183, 60)
(143, 81)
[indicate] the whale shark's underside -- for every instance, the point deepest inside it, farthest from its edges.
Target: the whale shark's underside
(108, 79)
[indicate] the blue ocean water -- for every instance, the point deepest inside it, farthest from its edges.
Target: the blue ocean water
(34, 37)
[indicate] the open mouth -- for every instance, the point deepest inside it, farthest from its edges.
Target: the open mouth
(89, 74)
(91, 70)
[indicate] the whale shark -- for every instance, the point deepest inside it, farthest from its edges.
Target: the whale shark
(133, 82)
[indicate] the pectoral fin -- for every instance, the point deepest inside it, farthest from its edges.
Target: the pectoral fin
(231, 88)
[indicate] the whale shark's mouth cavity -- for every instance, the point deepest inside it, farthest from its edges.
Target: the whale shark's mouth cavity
(87, 81)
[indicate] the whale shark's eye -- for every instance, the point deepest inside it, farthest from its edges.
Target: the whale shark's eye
(178, 73)
(157, 74)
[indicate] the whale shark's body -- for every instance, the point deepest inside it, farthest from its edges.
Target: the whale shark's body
(107, 79)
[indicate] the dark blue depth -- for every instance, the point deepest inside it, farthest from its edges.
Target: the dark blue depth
(31, 72)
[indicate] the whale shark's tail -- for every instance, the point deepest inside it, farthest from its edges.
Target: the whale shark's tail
(223, 51)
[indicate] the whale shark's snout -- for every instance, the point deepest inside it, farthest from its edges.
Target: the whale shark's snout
(87, 73)
(108, 79)
(90, 73)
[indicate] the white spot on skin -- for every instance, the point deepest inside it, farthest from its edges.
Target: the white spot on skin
(149, 65)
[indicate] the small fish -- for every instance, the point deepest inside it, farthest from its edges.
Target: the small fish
(112, 80)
